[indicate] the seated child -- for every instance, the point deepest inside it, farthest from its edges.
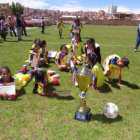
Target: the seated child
(36, 41)
(112, 63)
(42, 79)
(43, 52)
(20, 79)
(35, 53)
(93, 47)
(77, 49)
(98, 74)
(61, 58)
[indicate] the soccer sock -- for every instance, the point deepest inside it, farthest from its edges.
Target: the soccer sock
(60, 34)
(32, 72)
(55, 81)
(23, 70)
(50, 74)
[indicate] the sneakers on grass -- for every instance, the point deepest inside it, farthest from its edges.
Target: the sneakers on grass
(52, 71)
(56, 76)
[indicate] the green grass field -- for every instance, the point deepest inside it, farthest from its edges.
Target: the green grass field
(51, 118)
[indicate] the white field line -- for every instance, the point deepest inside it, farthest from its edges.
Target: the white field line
(101, 45)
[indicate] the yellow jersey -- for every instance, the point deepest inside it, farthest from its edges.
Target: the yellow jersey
(98, 71)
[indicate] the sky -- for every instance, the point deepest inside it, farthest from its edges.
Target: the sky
(80, 5)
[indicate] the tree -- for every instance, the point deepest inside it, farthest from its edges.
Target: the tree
(16, 8)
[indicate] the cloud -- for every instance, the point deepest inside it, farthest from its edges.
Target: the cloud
(137, 11)
(29, 3)
(123, 9)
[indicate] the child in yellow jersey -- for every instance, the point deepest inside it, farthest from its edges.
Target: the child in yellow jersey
(42, 79)
(61, 58)
(112, 63)
(20, 79)
(97, 70)
(60, 27)
(75, 28)
(77, 49)
(43, 52)
(35, 53)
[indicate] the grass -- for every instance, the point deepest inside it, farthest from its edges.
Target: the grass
(51, 118)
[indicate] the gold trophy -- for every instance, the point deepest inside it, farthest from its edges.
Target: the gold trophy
(84, 77)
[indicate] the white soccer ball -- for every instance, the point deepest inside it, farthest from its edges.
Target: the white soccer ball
(111, 110)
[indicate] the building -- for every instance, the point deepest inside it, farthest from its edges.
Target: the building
(112, 9)
(122, 16)
(5, 9)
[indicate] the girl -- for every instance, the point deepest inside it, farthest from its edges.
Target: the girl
(61, 58)
(112, 63)
(43, 52)
(34, 53)
(98, 75)
(42, 79)
(75, 28)
(77, 49)
(36, 41)
(93, 47)
(20, 79)
(60, 27)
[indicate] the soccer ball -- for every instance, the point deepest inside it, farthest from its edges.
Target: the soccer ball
(111, 110)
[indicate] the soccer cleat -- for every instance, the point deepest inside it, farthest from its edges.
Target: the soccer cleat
(56, 76)
(135, 50)
(76, 83)
(52, 71)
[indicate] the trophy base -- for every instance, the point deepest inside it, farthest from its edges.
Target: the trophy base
(83, 117)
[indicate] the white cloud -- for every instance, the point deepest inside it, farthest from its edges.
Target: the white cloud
(72, 8)
(137, 11)
(29, 3)
(123, 9)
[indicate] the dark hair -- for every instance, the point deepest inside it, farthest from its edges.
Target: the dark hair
(43, 42)
(93, 57)
(37, 44)
(63, 46)
(125, 61)
(39, 76)
(5, 67)
(91, 40)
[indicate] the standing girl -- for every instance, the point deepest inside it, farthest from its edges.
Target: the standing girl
(60, 27)
(93, 47)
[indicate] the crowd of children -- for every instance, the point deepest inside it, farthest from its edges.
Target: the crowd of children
(66, 59)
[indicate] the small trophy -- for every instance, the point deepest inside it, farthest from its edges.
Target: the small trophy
(84, 76)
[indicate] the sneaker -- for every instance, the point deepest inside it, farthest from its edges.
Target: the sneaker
(135, 50)
(26, 67)
(76, 83)
(56, 76)
(52, 71)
